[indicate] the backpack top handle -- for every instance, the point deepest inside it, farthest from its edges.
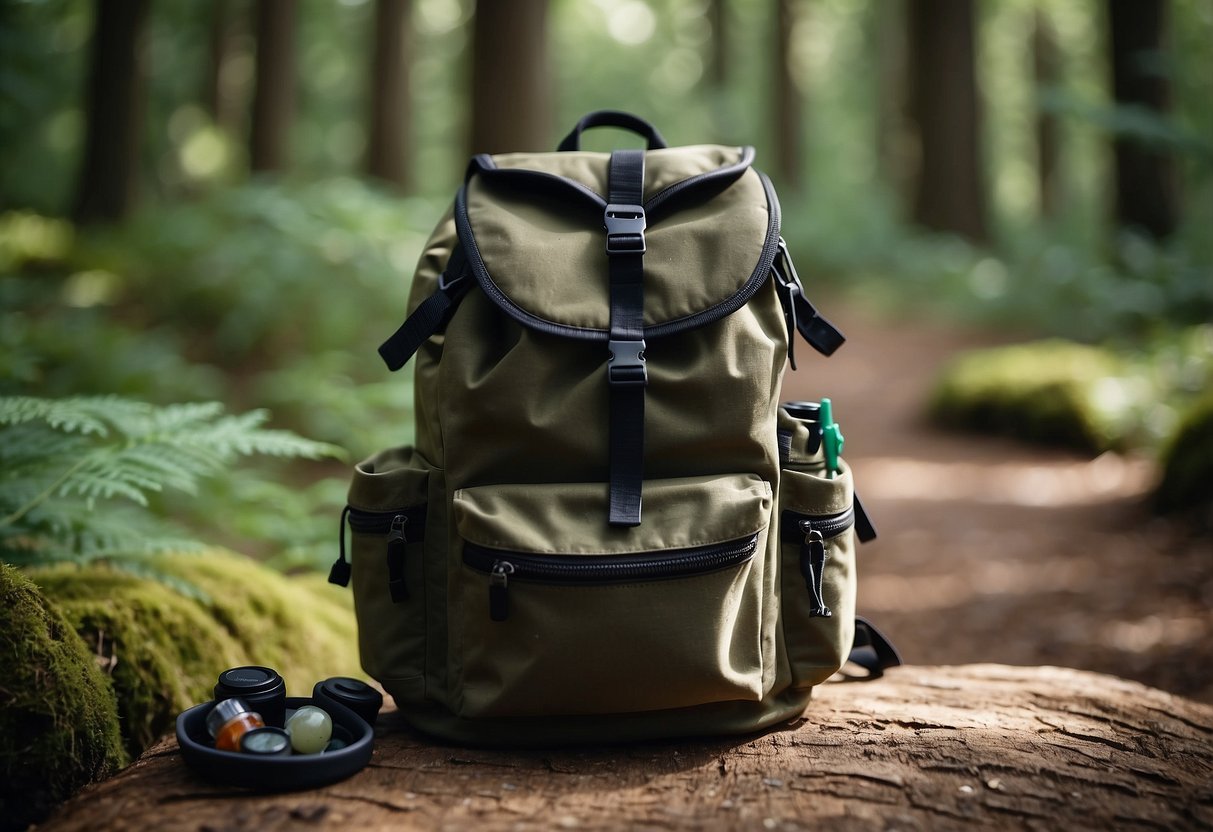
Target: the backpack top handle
(612, 118)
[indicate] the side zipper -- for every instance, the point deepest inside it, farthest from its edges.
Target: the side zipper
(504, 566)
(402, 527)
(810, 532)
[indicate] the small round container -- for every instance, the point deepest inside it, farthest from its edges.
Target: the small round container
(262, 689)
(808, 413)
(266, 742)
(229, 721)
(356, 695)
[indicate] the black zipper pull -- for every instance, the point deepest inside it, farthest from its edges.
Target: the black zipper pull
(812, 567)
(499, 595)
(340, 573)
(396, 546)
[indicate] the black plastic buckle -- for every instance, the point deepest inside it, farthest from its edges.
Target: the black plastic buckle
(626, 365)
(625, 225)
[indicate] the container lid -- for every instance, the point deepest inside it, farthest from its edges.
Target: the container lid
(356, 695)
(223, 712)
(251, 679)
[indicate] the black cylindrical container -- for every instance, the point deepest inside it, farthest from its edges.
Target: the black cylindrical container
(809, 413)
(261, 687)
(358, 696)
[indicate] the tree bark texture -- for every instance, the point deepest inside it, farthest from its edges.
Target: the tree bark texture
(950, 193)
(387, 151)
(787, 104)
(107, 184)
(1145, 178)
(510, 85)
(274, 86)
(924, 748)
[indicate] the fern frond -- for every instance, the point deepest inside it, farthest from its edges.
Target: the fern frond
(78, 472)
(86, 415)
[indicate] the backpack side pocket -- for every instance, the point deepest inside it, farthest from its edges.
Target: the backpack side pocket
(386, 516)
(817, 572)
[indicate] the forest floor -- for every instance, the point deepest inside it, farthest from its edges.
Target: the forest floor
(993, 550)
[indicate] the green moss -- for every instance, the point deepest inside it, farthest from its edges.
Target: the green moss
(1053, 391)
(58, 715)
(1187, 460)
(300, 626)
(163, 650)
(166, 650)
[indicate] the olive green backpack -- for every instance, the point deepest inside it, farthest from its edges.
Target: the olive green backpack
(608, 528)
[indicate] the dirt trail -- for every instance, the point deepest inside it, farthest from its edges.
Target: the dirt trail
(997, 551)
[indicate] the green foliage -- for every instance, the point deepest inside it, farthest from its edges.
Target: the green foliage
(164, 651)
(72, 468)
(1187, 461)
(1090, 398)
(58, 715)
(1047, 391)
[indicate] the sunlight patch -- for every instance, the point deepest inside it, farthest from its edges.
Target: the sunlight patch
(1036, 484)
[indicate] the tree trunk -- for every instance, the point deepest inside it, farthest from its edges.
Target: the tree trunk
(949, 192)
(388, 146)
(1145, 179)
(924, 748)
(718, 62)
(895, 152)
(107, 184)
(217, 95)
(789, 139)
(274, 87)
(1045, 66)
(510, 91)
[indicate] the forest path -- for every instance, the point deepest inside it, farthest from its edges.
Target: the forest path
(992, 550)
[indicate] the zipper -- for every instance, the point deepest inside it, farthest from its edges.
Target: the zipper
(402, 527)
(503, 566)
(795, 524)
(811, 531)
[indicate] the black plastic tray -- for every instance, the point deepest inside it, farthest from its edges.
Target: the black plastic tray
(277, 774)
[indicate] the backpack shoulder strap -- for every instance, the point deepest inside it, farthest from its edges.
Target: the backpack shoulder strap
(431, 315)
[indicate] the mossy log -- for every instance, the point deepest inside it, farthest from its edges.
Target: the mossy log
(923, 748)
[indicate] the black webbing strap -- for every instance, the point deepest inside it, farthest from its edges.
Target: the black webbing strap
(431, 315)
(627, 375)
(871, 650)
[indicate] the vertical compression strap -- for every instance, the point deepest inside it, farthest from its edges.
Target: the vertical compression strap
(626, 372)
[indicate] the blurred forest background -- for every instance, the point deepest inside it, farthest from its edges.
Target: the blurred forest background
(223, 202)
(210, 212)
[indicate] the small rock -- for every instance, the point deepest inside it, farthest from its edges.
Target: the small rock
(994, 784)
(966, 789)
(773, 782)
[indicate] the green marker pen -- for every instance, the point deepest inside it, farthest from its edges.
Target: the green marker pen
(831, 438)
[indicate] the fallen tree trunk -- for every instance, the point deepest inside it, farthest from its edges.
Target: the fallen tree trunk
(923, 748)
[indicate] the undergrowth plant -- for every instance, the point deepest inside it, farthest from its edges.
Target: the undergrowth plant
(77, 474)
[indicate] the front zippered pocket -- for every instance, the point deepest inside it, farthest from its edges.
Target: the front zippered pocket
(554, 612)
(503, 566)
